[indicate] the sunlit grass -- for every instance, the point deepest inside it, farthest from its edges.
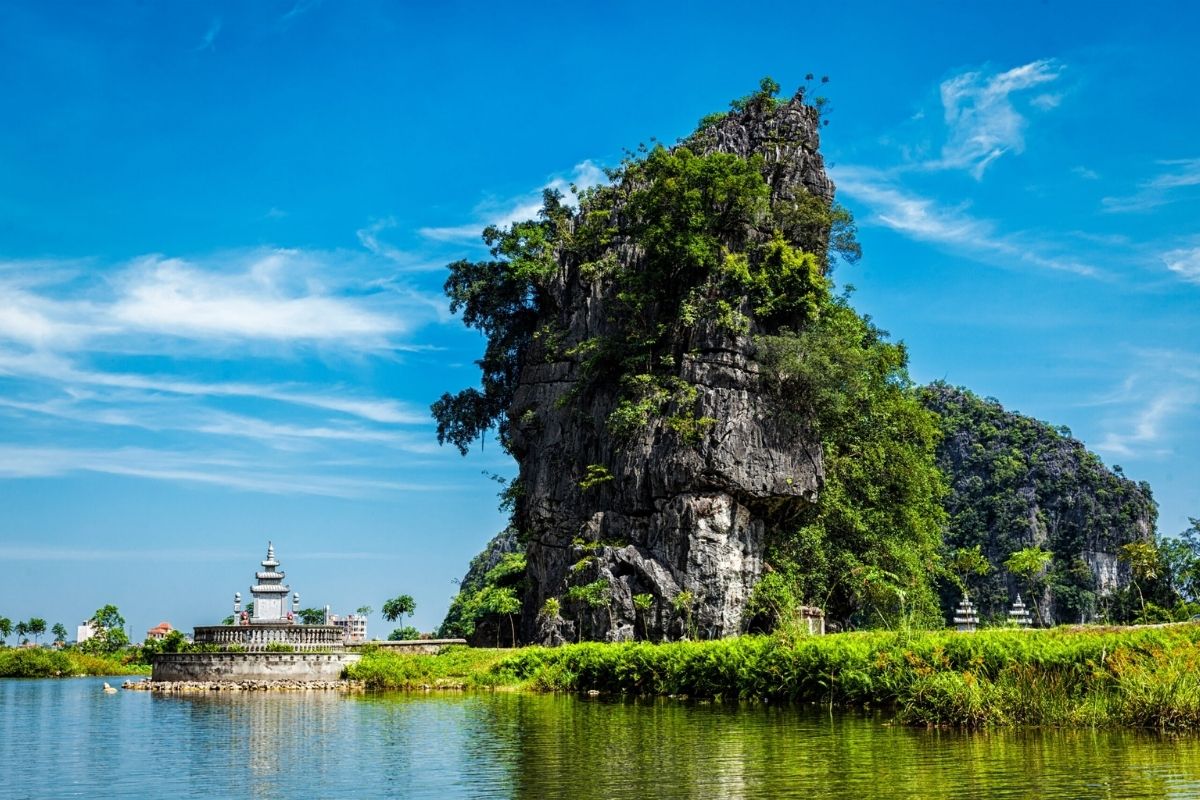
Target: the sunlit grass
(1145, 677)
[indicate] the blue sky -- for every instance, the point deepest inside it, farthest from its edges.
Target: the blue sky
(224, 226)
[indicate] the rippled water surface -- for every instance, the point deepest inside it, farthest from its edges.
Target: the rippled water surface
(66, 738)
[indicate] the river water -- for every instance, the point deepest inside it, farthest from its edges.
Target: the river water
(67, 738)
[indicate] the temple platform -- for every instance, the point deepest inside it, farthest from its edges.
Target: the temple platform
(237, 667)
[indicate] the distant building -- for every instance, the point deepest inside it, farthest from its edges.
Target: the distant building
(159, 631)
(353, 627)
(84, 631)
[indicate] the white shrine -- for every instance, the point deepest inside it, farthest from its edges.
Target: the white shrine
(270, 595)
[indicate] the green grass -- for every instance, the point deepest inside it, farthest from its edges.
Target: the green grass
(1143, 677)
(456, 667)
(40, 663)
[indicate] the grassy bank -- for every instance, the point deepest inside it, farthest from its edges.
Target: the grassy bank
(454, 668)
(1147, 677)
(39, 663)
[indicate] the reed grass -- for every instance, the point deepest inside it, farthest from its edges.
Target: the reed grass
(22, 662)
(1112, 677)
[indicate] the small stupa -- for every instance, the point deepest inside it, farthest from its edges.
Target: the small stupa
(270, 595)
(1019, 615)
(965, 618)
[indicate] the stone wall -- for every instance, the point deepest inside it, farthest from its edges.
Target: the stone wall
(251, 666)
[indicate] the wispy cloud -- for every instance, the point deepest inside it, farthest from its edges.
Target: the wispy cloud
(1145, 406)
(925, 220)
(298, 9)
(370, 236)
(1159, 190)
(62, 372)
(172, 555)
(982, 121)
(584, 175)
(246, 474)
(1147, 428)
(210, 36)
(1185, 263)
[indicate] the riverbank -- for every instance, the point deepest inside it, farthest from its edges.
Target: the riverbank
(1101, 677)
(22, 662)
(198, 687)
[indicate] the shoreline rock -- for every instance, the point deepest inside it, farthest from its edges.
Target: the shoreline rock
(194, 687)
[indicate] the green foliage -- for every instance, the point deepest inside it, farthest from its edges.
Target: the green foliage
(1015, 481)
(454, 667)
(405, 634)
(551, 609)
(867, 551)
(596, 475)
(398, 607)
(6, 629)
(110, 635)
(495, 595)
(966, 562)
(36, 626)
(712, 247)
(279, 647)
(1142, 678)
(44, 663)
(60, 633)
(311, 616)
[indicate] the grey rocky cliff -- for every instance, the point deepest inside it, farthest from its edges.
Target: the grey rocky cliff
(677, 515)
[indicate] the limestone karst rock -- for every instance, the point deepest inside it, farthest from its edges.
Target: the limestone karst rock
(1016, 482)
(680, 519)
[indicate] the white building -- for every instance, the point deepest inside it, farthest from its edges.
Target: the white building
(353, 627)
(85, 631)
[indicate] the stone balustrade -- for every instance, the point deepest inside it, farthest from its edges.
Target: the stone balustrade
(259, 636)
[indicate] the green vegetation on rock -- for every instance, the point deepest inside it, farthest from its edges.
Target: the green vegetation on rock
(1044, 511)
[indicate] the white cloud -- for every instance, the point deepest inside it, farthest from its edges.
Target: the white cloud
(174, 298)
(1185, 263)
(1159, 190)
(153, 303)
(584, 175)
(924, 220)
(983, 123)
(1085, 173)
(245, 474)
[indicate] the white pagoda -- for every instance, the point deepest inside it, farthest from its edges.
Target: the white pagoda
(270, 595)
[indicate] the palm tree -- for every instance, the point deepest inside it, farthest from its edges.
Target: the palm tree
(6, 629)
(399, 607)
(60, 633)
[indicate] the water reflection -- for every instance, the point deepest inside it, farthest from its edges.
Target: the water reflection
(68, 739)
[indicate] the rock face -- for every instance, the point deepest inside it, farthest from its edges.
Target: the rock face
(1016, 482)
(682, 519)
